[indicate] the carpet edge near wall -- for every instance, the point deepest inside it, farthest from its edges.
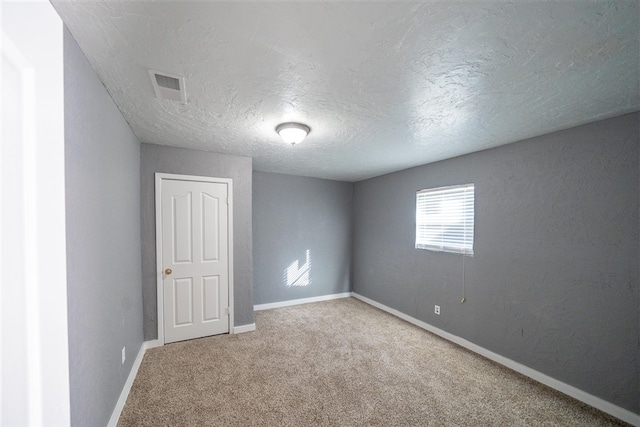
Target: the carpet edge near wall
(564, 388)
(594, 401)
(124, 394)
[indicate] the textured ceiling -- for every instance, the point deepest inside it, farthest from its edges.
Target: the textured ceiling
(383, 85)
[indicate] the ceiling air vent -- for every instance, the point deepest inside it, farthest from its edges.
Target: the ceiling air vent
(168, 86)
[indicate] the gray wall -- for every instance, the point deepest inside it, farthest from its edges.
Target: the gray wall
(102, 175)
(157, 158)
(291, 215)
(554, 280)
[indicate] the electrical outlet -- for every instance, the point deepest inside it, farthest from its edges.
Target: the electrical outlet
(124, 354)
(437, 310)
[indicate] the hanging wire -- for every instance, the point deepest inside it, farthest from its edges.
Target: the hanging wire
(464, 283)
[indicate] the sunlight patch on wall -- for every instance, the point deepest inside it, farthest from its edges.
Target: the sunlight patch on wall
(295, 275)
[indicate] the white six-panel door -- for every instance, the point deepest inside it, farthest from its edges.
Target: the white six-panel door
(195, 258)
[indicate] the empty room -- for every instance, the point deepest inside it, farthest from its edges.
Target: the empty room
(416, 213)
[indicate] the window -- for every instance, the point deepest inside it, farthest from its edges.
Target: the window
(444, 219)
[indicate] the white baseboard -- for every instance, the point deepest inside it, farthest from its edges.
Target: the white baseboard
(269, 306)
(589, 399)
(115, 415)
(244, 328)
(146, 345)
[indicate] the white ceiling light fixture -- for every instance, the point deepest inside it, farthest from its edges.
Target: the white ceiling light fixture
(293, 133)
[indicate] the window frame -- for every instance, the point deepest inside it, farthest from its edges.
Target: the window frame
(462, 236)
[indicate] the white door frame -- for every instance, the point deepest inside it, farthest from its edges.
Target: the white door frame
(159, 276)
(33, 276)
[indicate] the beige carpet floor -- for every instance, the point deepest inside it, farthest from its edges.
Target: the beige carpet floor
(338, 363)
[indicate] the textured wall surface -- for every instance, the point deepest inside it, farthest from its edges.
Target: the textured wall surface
(554, 280)
(102, 175)
(301, 237)
(155, 158)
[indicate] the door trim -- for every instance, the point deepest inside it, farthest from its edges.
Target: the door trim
(159, 177)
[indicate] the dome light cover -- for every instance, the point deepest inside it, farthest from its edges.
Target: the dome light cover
(293, 133)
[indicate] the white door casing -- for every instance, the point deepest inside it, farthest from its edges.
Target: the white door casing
(194, 247)
(34, 350)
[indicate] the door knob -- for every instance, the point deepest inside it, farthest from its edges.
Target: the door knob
(168, 271)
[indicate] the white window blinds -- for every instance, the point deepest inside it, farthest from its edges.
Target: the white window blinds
(444, 219)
